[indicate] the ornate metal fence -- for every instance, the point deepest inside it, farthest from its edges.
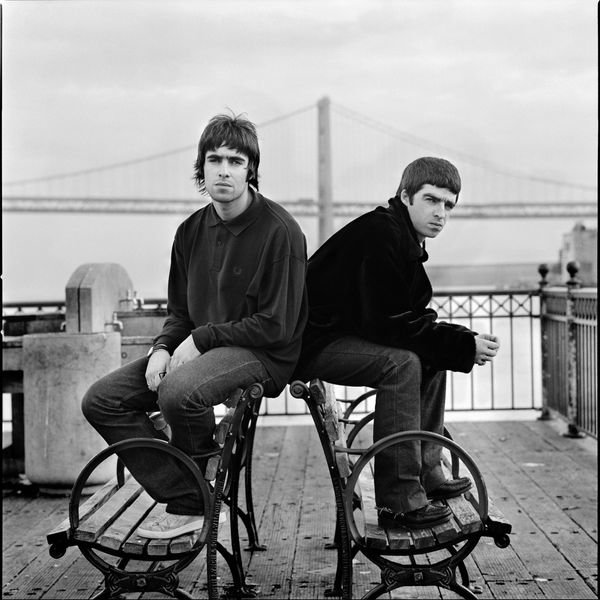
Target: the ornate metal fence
(513, 379)
(569, 356)
(547, 356)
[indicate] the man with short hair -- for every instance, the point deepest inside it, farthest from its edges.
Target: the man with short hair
(369, 325)
(236, 310)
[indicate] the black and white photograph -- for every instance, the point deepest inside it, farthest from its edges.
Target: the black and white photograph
(299, 299)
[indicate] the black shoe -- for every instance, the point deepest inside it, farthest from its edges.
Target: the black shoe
(427, 516)
(450, 489)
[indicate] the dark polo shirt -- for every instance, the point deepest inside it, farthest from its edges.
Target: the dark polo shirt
(240, 283)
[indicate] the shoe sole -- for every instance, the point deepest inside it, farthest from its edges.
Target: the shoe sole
(454, 494)
(391, 524)
(172, 533)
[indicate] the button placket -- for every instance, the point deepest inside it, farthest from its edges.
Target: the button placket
(219, 250)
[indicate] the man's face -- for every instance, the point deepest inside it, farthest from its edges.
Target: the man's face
(429, 209)
(225, 174)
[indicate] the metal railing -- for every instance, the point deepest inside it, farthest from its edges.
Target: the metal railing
(569, 355)
(512, 381)
(547, 358)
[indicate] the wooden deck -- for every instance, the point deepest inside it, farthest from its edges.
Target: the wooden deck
(545, 484)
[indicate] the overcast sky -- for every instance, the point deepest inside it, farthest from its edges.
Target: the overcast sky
(86, 84)
(92, 83)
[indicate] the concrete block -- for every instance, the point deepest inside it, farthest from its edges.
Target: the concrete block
(94, 291)
(58, 368)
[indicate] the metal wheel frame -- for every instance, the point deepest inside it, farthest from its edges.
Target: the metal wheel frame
(442, 572)
(117, 579)
(166, 579)
(347, 539)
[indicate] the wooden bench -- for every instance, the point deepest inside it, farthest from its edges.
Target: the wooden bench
(406, 557)
(104, 526)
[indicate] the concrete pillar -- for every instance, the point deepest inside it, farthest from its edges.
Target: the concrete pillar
(93, 293)
(58, 368)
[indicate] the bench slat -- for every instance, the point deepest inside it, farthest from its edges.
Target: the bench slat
(375, 536)
(97, 522)
(446, 532)
(497, 522)
(136, 544)
(331, 415)
(61, 533)
(466, 520)
(423, 538)
(126, 522)
(157, 547)
(183, 543)
(342, 458)
(465, 514)
(324, 396)
(399, 538)
(223, 426)
(212, 468)
(332, 411)
(317, 391)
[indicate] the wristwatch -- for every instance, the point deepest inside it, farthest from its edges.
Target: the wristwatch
(156, 347)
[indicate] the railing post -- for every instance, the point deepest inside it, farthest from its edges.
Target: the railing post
(545, 414)
(572, 405)
(325, 199)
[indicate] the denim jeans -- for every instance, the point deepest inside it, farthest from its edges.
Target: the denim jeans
(117, 406)
(407, 398)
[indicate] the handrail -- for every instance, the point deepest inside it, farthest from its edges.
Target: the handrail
(530, 323)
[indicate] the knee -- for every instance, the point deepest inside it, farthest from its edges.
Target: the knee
(91, 404)
(405, 363)
(171, 397)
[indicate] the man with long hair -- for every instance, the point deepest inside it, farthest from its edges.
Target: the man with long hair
(236, 310)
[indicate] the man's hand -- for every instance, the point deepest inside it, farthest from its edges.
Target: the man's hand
(486, 347)
(185, 352)
(158, 365)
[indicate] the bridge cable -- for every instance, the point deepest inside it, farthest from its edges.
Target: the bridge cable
(428, 144)
(148, 158)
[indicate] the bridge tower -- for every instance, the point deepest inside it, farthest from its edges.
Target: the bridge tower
(325, 198)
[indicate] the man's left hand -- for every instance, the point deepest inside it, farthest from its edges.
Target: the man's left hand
(185, 352)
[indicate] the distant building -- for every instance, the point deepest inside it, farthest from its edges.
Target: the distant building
(497, 276)
(581, 244)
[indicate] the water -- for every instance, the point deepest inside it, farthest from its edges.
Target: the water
(42, 250)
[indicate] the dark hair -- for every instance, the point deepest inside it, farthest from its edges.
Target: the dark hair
(235, 132)
(429, 170)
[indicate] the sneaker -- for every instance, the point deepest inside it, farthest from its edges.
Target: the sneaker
(426, 516)
(168, 526)
(450, 489)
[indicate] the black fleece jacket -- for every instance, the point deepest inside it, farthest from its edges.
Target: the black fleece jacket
(368, 280)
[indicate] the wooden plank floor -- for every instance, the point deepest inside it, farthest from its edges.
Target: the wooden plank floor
(545, 484)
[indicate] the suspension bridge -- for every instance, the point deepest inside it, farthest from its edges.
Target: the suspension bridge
(322, 160)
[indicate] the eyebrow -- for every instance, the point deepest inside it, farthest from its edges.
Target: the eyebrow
(218, 154)
(440, 198)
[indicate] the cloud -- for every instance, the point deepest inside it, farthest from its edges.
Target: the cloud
(131, 78)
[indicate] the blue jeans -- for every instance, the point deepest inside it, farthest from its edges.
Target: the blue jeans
(407, 398)
(117, 406)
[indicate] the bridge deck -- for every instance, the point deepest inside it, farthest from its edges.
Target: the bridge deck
(545, 484)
